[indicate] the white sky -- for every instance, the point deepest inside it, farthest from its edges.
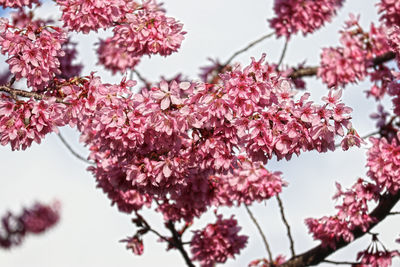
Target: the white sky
(89, 230)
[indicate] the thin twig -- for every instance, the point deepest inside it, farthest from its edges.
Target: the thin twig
(395, 213)
(78, 156)
(141, 78)
(261, 233)
(259, 40)
(341, 262)
(283, 53)
(312, 71)
(289, 233)
(148, 227)
(178, 243)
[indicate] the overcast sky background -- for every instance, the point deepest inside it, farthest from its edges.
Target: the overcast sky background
(89, 230)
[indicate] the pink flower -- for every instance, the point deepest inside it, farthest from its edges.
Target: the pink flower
(351, 139)
(135, 244)
(353, 213)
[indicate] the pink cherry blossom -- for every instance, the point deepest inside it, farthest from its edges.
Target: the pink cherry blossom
(135, 244)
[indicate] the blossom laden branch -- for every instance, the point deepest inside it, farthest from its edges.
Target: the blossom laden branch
(318, 254)
(312, 71)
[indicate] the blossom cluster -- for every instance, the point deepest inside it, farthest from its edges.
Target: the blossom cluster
(23, 122)
(375, 257)
(34, 220)
(390, 12)
(352, 214)
(393, 35)
(293, 16)
(145, 32)
(18, 3)
(383, 163)
(115, 58)
(217, 242)
(88, 15)
(349, 62)
(249, 182)
(177, 142)
(28, 49)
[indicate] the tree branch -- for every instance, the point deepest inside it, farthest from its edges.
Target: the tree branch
(318, 254)
(17, 92)
(312, 71)
(149, 228)
(178, 243)
(77, 155)
(341, 262)
(246, 48)
(289, 234)
(264, 238)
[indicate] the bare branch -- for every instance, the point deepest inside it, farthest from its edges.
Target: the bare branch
(395, 213)
(264, 238)
(312, 71)
(318, 254)
(178, 243)
(289, 234)
(341, 262)
(283, 53)
(259, 40)
(77, 155)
